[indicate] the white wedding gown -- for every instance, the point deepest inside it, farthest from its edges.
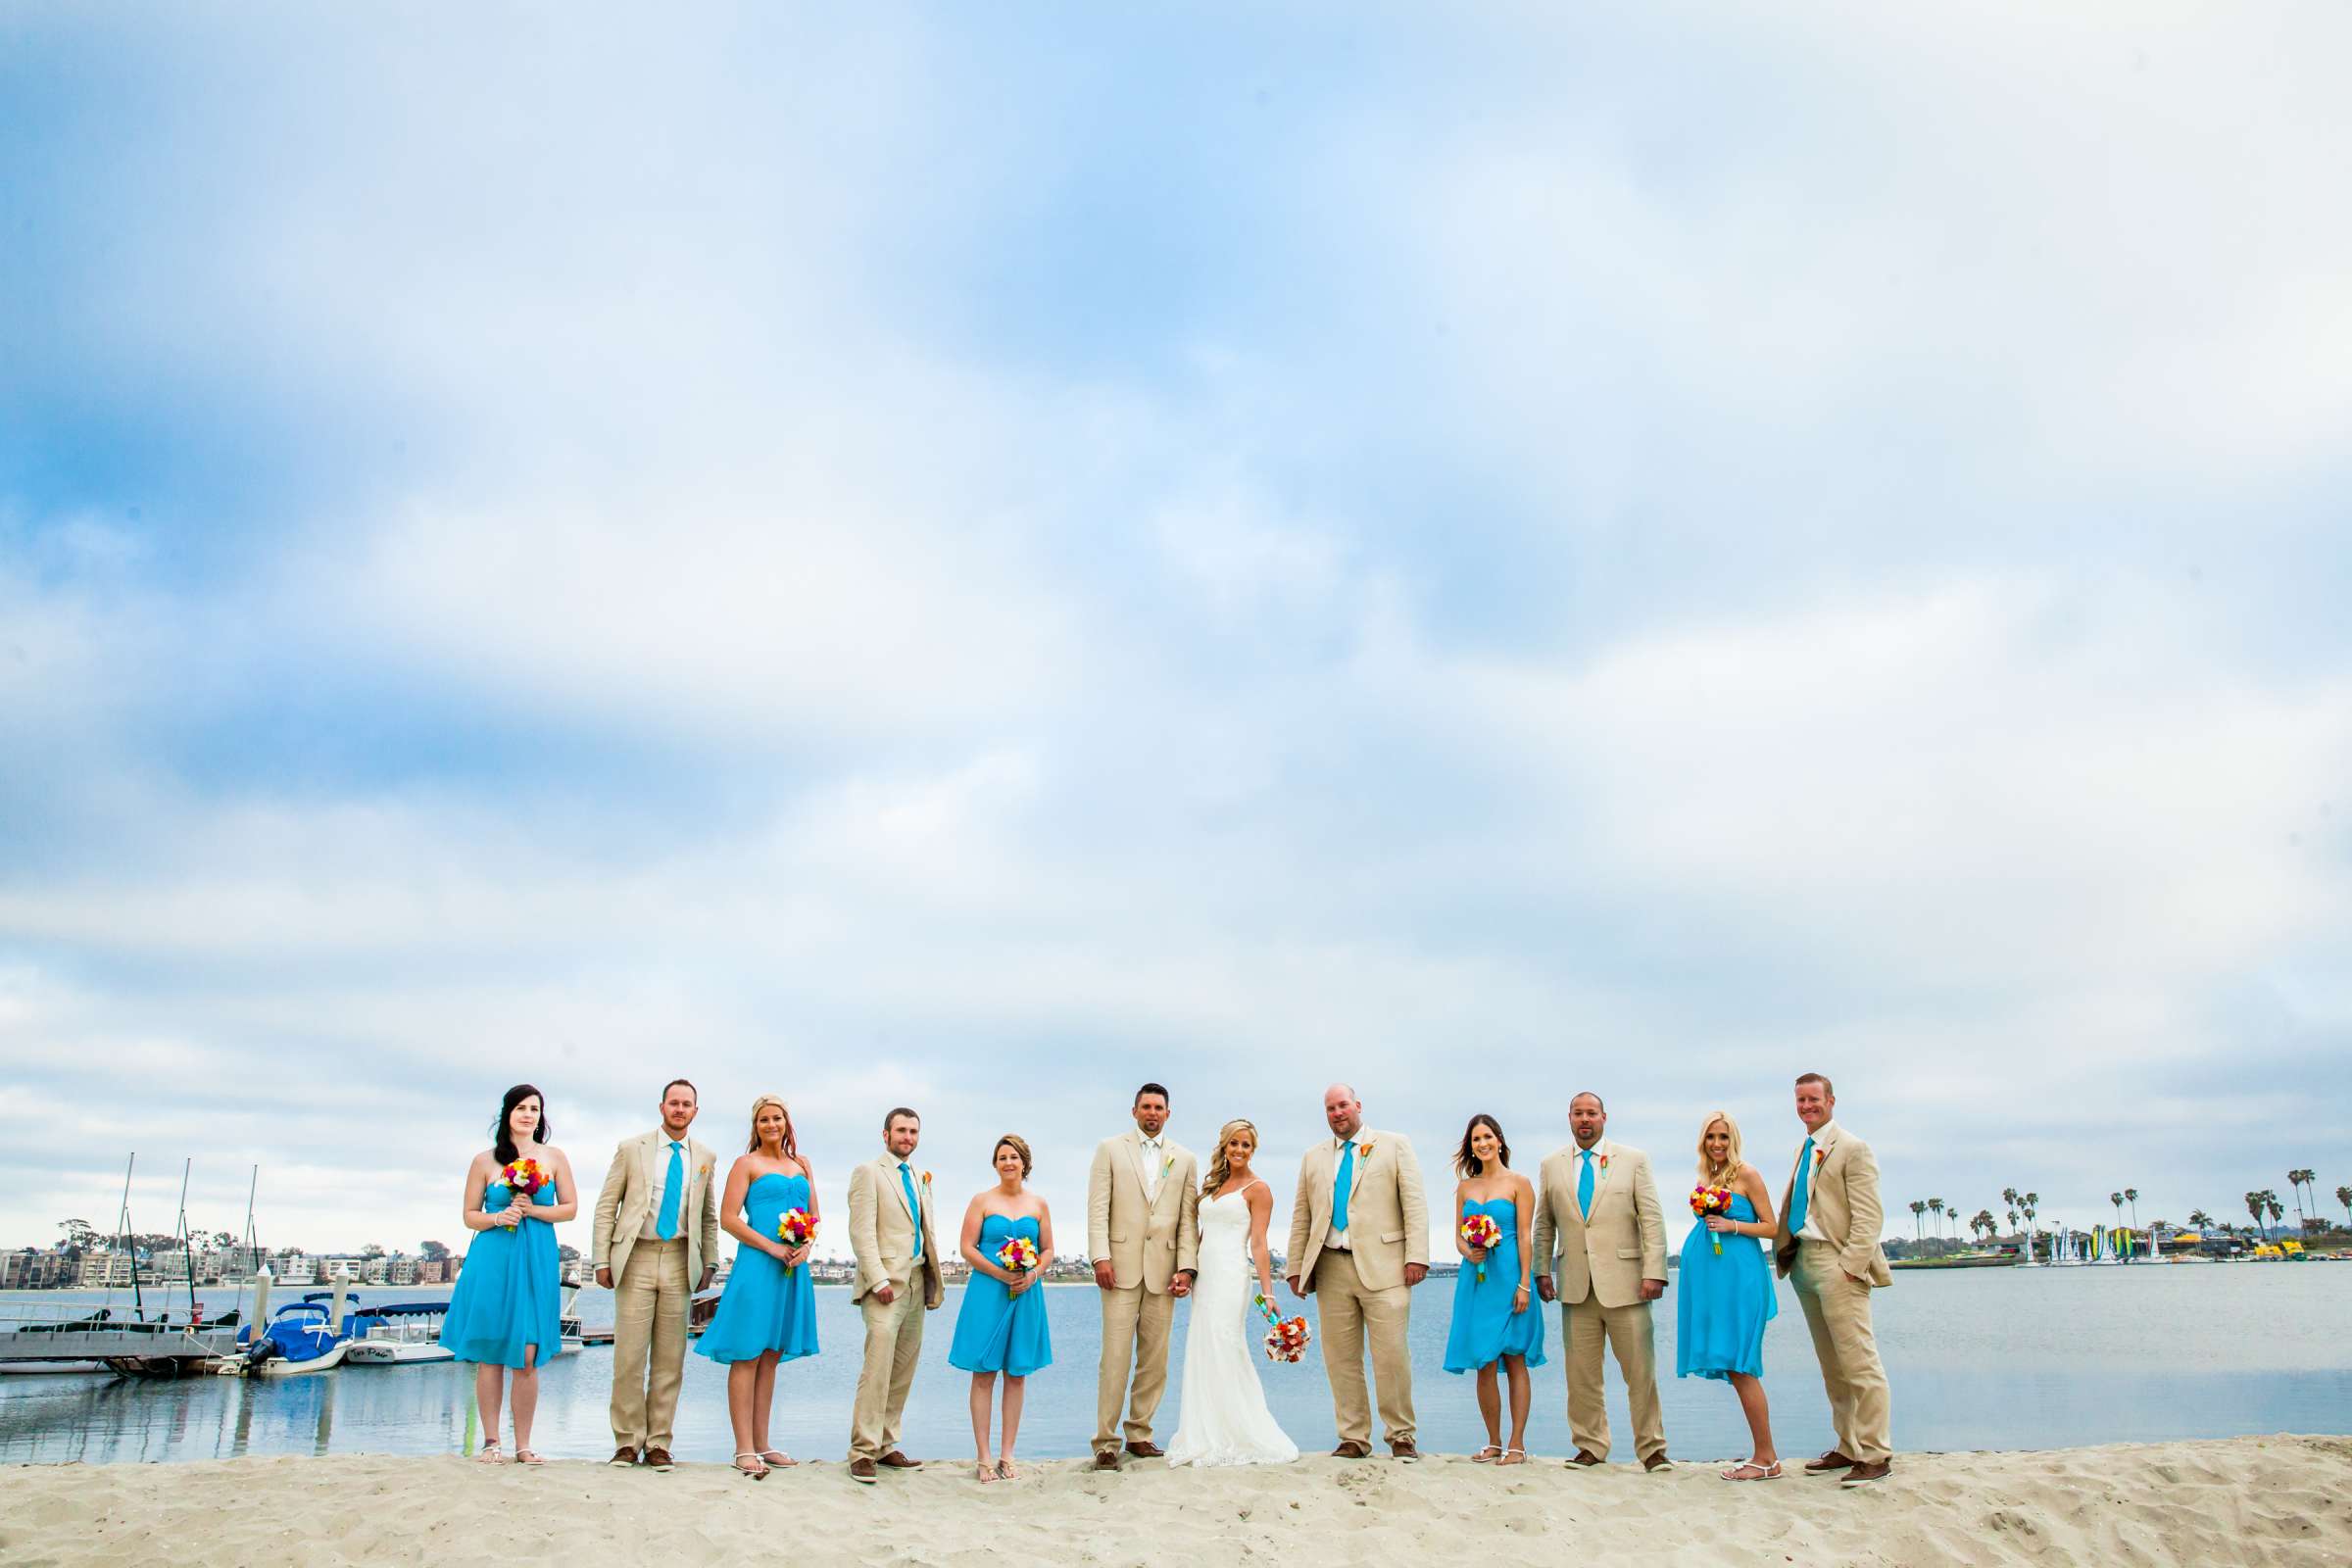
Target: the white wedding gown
(1222, 1416)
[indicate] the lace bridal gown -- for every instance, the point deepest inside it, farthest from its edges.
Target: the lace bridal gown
(1222, 1414)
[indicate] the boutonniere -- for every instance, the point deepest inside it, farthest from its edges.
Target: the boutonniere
(705, 1168)
(1366, 1148)
(1166, 1166)
(1604, 1162)
(927, 1178)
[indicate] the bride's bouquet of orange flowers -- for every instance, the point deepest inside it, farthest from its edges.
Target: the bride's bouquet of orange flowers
(1018, 1253)
(524, 1177)
(1480, 1230)
(1705, 1201)
(795, 1229)
(1286, 1339)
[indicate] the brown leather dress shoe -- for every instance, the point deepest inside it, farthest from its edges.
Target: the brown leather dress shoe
(895, 1460)
(1656, 1462)
(1405, 1450)
(659, 1458)
(1107, 1458)
(1868, 1470)
(1146, 1449)
(1584, 1460)
(1832, 1460)
(862, 1471)
(625, 1454)
(1352, 1451)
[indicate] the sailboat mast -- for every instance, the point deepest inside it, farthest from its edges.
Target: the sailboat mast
(188, 1249)
(123, 1242)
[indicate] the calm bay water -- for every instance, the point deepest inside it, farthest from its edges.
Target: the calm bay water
(1987, 1358)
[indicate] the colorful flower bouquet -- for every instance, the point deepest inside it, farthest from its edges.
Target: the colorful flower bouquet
(1481, 1232)
(795, 1229)
(1705, 1201)
(1286, 1338)
(525, 1177)
(1018, 1253)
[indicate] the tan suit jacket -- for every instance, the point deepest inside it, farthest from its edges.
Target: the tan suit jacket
(1388, 1215)
(1148, 1241)
(1624, 1242)
(627, 1202)
(882, 1231)
(1844, 1207)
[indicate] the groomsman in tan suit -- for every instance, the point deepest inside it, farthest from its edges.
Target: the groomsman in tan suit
(897, 1247)
(1597, 1214)
(655, 1246)
(1360, 1243)
(1828, 1245)
(1142, 1204)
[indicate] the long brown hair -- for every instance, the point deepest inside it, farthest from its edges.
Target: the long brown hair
(790, 1145)
(1219, 1167)
(1466, 1164)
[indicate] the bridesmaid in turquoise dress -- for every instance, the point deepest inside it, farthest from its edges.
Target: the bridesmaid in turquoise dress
(767, 1312)
(1495, 1323)
(506, 1315)
(1000, 1328)
(1726, 1298)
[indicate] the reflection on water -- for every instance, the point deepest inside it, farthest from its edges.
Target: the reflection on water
(1980, 1359)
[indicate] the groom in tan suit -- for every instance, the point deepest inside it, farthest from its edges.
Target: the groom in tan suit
(1596, 1209)
(1360, 1243)
(897, 1247)
(1142, 1204)
(655, 1246)
(1829, 1240)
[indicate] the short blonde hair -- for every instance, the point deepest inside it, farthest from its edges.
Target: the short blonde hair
(1707, 1172)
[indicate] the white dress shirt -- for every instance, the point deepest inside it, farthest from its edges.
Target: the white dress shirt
(1155, 1161)
(1810, 1230)
(653, 1215)
(1336, 1238)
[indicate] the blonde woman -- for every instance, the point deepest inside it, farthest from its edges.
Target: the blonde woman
(1727, 1296)
(768, 1312)
(1000, 1328)
(1224, 1419)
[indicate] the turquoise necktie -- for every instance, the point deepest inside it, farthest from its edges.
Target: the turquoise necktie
(907, 1180)
(1339, 1191)
(665, 1224)
(1584, 1184)
(1797, 1204)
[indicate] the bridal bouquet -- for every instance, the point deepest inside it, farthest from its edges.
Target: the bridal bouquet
(1286, 1339)
(1018, 1253)
(1705, 1201)
(795, 1229)
(524, 1177)
(1479, 1231)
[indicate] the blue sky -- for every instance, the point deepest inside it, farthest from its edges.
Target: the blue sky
(976, 561)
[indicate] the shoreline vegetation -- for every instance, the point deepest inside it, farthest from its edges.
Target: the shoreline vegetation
(2273, 1500)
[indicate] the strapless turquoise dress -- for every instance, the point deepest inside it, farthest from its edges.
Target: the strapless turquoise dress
(510, 1292)
(1485, 1328)
(763, 1309)
(996, 1330)
(1723, 1303)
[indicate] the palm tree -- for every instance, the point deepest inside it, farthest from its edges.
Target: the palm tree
(2131, 1196)
(2012, 1216)
(2254, 1208)
(2028, 1201)
(1935, 1208)
(2343, 1196)
(1984, 1225)
(2294, 1185)
(2198, 1218)
(1917, 1209)
(2009, 1196)
(2269, 1201)
(2117, 1199)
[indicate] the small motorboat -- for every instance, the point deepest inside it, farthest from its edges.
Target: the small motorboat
(401, 1335)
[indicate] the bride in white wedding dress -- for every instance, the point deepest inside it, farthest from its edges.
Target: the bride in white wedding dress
(1222, 1416)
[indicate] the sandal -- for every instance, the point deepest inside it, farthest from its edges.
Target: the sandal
(490, 1453)
(1762, 1472)
(527, 1457)
(983, 1472)
(1006, 1471)
(1480, 1457)
(742, 1469)
(778, 1458)
(1507, 1459)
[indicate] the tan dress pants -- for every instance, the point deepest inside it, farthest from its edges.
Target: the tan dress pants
(1135, 1335)
(1346, 1314)
(650, 1303)
(1838, 1311)
(1628, 1331)
(893, 1343)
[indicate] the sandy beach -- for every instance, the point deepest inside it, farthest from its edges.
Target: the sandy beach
(2271, 1501)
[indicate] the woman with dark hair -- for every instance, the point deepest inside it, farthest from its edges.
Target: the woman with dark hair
(768, 1312)
(1492, 1322)
(1001, 1325)
(506, 1312)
